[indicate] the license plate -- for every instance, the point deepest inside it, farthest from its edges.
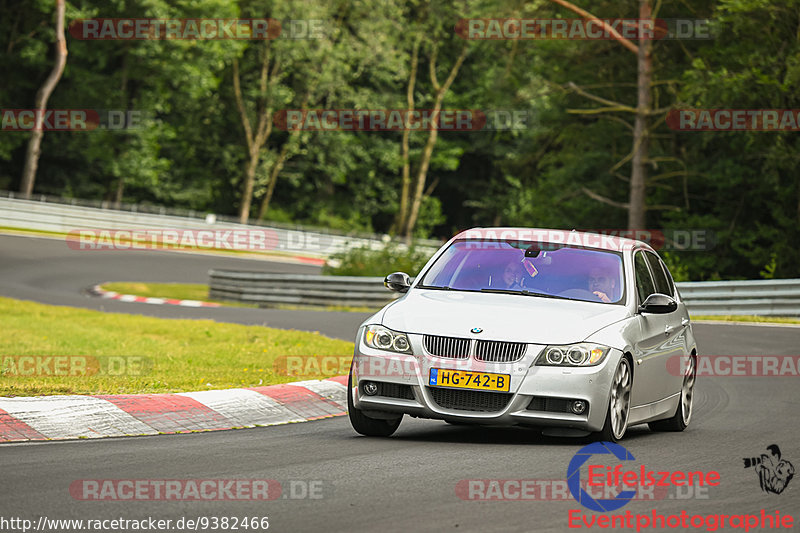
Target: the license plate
(462, 379)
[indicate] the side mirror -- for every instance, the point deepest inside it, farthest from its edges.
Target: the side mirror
(397, 281)
(658, 304)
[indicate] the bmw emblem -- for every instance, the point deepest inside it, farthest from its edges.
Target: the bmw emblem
(476, 330)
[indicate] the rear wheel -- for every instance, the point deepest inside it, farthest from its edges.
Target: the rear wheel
(371, 427)
(619, 405)
(683, 413)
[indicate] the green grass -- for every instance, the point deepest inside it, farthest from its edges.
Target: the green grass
(180, 355)
(191, 291)
(178, 291)
(748, 318)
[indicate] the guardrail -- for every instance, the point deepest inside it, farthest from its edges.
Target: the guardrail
(760, 297)
(45, 215)
(779, 297)
(294, 289)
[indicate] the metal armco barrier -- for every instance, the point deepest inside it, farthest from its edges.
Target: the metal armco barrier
(61, 218)
(761, 297)
(778, 297)
(296, 289)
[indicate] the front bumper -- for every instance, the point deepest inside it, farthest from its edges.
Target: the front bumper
(539, 396)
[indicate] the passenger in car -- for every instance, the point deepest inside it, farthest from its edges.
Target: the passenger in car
(603, 285)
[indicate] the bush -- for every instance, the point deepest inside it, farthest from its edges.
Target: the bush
(367, 262)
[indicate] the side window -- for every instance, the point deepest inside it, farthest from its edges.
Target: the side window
(669, 279)
(662, 284)
(644, 283)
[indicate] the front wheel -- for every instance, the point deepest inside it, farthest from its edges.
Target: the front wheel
(683, 413)
(619, 405)
(371, 427)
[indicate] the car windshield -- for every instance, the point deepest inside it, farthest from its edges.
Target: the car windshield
(529, 268)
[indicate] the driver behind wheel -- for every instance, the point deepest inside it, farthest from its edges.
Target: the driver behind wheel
(602, 284)
(512, 276)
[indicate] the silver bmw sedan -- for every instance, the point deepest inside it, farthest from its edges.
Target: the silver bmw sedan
(573, 333)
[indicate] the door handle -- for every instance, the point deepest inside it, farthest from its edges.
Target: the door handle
(668, 330)
(684, 321)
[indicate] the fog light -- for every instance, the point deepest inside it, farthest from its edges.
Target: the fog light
(578, 407)
(370, 388)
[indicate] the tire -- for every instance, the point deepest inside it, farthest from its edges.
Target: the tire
(683, 413)
(619, 404)
(370, 427)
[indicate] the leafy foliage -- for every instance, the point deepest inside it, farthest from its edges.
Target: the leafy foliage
(365, 261)
(191, 151)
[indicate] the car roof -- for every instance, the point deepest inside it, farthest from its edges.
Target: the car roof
(602, 241)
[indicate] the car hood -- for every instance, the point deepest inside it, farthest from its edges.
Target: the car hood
(508, 317)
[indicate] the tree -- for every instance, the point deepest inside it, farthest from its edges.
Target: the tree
(440, 90)
(636, 205)
(256, 139)
(35, 143)
(430, 26)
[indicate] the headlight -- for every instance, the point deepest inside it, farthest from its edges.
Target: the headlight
(385, 339)
(583, 354)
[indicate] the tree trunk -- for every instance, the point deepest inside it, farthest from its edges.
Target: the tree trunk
(422, 173)
(255, 140)
(118, 194)
(432, 136)
(249, 180)
(637, 193)
(35, 142)
(124, 106)
(283, 156)
(402, 212)
(275, 172)
(798, 200)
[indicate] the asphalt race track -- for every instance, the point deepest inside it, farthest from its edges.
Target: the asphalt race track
(403, 483)
(47, 271)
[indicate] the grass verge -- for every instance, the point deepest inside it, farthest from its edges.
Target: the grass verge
(178, 291)
(191, 291)
(174, 355)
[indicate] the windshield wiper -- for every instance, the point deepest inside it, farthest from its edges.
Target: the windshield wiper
(523, 292)
(435, 287)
